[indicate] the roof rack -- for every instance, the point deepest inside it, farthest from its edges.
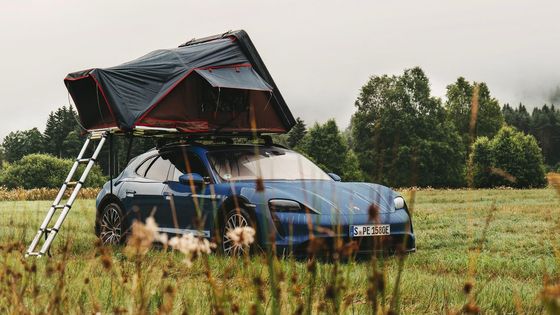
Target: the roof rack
(196, 139)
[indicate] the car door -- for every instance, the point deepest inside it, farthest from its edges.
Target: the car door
(144, 194)
(193, 206)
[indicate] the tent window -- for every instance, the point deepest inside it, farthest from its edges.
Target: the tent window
(224, 100)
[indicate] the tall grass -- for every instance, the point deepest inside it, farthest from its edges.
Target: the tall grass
(516, 270)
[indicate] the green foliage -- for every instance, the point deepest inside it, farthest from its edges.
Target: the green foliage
(325, 145)
(20, 143)
(401, 136)
(297, 133)
(518, 117)
(458, 105)
(511, 158)
(72, 144)
(351, 168)
(543, 124)
(2, 157)
(44, 171)
(59, 124)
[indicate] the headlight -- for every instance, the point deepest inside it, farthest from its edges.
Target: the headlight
(286, 205)
(399, 203)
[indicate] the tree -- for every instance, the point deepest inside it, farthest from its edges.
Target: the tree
(511, 158)
(517, 117)
(296, 134)
(351, 167)
(401, 136)
(72, 144)
(325, 145)
(545, 126)
(2, 156)
(489, 118)
(20, 143)
(59, 124)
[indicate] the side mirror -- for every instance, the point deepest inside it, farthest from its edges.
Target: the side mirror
(335, 177)
(194, 178)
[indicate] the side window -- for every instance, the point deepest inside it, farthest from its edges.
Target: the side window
(158, 169)
(186, 162)
(141, 170)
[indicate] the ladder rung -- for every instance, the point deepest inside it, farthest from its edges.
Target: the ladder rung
(48, 230)
(71, 184)
(96, 135)
(85, 160)
(33, 254)
(59, 206)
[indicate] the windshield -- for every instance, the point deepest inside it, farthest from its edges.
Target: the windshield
(269, 164)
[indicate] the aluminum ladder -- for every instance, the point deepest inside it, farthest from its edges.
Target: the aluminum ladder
(50, 233)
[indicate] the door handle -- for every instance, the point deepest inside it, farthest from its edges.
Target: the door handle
(130, 193)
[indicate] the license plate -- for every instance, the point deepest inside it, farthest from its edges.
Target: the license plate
(370, 230)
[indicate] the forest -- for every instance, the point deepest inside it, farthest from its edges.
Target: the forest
(400, 135)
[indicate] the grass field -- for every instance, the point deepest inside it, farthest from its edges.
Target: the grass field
(507, 264)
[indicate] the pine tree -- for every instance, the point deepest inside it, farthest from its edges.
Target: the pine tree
(59, 124)
(297, 133)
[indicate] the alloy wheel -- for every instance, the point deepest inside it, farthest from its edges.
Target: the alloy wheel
(111, 231)
(230, 247)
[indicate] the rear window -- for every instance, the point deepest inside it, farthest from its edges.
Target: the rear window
(154, 168)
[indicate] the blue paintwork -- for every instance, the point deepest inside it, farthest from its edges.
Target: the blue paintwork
(335, 205)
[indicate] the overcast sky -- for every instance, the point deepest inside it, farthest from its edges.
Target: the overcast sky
(319, 52)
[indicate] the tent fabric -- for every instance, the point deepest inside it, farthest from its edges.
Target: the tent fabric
(235, 78)
(124, 96)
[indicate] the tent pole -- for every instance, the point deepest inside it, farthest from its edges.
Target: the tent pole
(129, 149)
(111, 160)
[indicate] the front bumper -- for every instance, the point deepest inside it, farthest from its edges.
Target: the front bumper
(295, 231)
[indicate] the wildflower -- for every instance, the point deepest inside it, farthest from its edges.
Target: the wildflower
(106, 262)
(143, 235)
(349, 248)
(242, 236)
(191, 246)
(467, 288)
(373, 212)
(315, 245)
(312, 266)
(330, 292)
(471, 308)
(259, 185)
(550, 296)
(378, 280)
(234, 308)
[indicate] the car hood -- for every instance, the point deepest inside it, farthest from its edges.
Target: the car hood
(331, 197)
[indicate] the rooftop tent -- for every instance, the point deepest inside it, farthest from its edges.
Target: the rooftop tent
(213, 85)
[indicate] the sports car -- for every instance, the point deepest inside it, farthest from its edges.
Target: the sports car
(211, 189)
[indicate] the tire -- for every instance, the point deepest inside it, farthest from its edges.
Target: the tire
(111, 225)
(236, 218)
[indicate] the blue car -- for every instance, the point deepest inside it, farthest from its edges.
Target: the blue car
(210, 189)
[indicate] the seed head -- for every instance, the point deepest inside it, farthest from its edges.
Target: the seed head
(467, 288)
(242, 236)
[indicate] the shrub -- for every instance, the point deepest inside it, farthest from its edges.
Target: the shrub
(45, 171)
(511, 158)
